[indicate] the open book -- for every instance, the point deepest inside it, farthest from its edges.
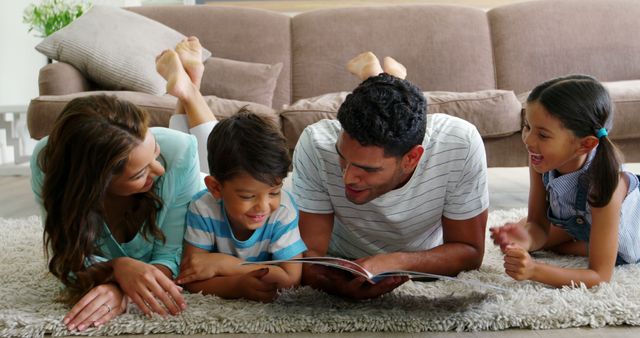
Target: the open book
(359, 270)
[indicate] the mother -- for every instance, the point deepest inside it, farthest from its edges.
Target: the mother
(115, 195)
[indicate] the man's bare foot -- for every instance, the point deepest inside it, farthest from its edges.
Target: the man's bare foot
(364, 66)
(393, 67)
(190, 53)
(170, 68)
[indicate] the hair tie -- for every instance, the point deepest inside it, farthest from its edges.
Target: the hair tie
(601, 133)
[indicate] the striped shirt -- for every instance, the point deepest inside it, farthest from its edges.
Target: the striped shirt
(450, 180)
(208, 228)
(562, 200)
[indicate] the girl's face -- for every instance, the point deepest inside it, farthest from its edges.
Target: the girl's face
(247, 202)
(551, 146)
(141, 169)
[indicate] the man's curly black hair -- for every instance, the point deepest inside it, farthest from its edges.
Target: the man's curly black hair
(387, 112)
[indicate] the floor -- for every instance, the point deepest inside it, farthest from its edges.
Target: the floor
(508, 188)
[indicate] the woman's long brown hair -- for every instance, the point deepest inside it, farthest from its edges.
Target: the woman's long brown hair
(90, 143)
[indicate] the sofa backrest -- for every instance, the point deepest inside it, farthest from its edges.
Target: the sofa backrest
(455, 54)
(242, 34)
(538, 40)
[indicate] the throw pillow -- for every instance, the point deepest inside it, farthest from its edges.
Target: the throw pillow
(114, 48)
(238, 80)
(495, 113)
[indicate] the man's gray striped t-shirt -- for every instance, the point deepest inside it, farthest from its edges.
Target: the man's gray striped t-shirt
(450, 180)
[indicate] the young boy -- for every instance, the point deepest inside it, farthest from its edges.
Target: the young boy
(243, 215)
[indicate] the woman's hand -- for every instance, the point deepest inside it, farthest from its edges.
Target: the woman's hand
(148, 287)
(101, 304)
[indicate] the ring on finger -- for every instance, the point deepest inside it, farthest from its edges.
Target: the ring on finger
(108, 307)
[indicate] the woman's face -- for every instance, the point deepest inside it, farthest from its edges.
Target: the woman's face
(140, 171)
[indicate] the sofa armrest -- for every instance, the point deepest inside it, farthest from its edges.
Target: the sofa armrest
(60, 79)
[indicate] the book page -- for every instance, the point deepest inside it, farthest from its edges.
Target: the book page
(335, 262)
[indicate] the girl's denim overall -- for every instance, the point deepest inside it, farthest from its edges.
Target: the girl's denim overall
(578, 225)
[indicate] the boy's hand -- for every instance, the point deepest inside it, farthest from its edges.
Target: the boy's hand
(511, 233)
(252, 286)
(518, 263)
(196, 267)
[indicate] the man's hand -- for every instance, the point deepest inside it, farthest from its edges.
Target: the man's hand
(518, 263)
(344, 284)
(378, 263)
(511, 233)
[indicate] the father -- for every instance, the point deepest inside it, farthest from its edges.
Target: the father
(391, 187)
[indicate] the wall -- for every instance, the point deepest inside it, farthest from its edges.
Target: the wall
(19, 61)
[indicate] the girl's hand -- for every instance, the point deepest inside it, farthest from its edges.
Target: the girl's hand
(252, 286)
(101, 304)
(511, 233)
(197, 267)
(147, 286)
(518, 263)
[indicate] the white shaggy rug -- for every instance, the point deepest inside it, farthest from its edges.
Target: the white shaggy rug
(27, 306)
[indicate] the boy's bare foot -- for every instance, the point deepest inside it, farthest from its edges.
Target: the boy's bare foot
(170, 68)
(364, 66)
(393, 67)
(190, 53)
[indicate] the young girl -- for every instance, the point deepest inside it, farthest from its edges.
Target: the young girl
(580, 201)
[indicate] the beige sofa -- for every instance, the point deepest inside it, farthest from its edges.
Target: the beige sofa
(445, 48)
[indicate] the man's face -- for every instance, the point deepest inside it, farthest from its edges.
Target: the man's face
(366, 171)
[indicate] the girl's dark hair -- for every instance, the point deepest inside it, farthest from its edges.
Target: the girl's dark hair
(90, 143)
(583, 106)
(251, 143)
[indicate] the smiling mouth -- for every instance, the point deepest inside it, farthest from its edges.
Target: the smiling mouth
(535, 158)
(257, 218)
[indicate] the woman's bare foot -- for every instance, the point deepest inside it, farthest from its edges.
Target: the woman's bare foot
(393, 67)
(190, 53)
(364, 66)
(170, 68)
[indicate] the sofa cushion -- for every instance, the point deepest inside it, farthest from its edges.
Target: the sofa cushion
(44, 110)
(625, 96)
(114, 48)
(238, 80)
(496, 113)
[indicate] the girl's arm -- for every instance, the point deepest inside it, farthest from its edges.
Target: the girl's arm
(530, 233)
(603, 248)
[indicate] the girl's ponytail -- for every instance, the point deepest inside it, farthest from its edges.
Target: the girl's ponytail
(604, 172)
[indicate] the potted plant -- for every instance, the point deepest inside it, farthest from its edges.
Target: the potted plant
(51, 15)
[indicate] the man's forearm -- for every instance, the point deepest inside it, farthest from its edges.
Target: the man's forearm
(447, 259)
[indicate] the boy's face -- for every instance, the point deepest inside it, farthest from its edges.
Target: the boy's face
(247, 202)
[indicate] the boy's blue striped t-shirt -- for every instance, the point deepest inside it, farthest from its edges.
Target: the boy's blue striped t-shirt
(208, 228)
